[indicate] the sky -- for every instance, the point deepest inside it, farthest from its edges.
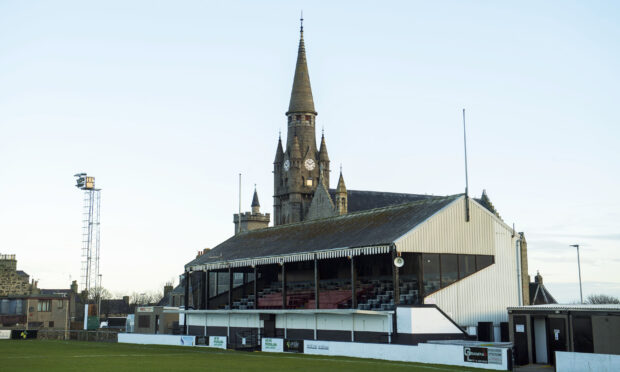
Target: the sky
(165, 103)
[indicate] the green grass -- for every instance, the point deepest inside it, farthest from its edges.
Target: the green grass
(35, 355)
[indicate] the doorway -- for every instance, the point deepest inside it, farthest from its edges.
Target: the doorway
(557, 337)
(540, 341)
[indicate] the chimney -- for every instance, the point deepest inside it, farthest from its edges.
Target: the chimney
(167, 289)
(74, 286)
(538, 278)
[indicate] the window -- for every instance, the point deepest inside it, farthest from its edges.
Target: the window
(483, 261)
(144, 321)
(430, 267)
(44, 305)
(50, 324)
(309, 182)
(449, 269)
(297, 117)
(61, 304)
(308, 118)
(467, 265)
(290, 118)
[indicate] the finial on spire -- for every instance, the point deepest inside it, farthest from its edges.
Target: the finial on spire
(340, 167)
(279, 134)
(322, 131)
(301, 21)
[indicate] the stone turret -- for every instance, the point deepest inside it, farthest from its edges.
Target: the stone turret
(255, 203)
(251, 220)
(324, 162)
(341, 196)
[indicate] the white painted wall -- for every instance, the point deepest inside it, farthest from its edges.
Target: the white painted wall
(485, 295)
(586, 362)
(137, 338)
(422, 353)
(423, 320)
(343, 322)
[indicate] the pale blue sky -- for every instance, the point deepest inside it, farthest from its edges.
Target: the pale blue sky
(166, 102)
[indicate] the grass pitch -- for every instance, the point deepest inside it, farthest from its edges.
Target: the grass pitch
(35, 355)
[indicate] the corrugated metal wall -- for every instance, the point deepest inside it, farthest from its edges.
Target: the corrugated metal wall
(485, 295)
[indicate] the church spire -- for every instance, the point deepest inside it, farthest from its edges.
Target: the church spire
(255, 203)
(342, 204)
(279, 152)
(323, 150)
(301, 94)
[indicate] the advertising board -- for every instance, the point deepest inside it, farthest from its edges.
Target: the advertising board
(274, 345)
(482, 355)
(217, 341)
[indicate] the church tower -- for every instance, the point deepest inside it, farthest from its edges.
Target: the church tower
(296, 166)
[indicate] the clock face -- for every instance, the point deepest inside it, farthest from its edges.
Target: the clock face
(287, 165)
(309, 163)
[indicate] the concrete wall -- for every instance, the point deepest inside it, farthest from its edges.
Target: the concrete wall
(422, 353)
(482, 296)
(586, 362)
(133, 338)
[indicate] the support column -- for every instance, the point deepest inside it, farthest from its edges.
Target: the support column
(395, 278)
(316, 285)
(283, 286)
(353, 284)
(255, 287)
(186, 294)
(186, 302)
(207, 289)
(230, 287)
(203, 291)
(395, 281)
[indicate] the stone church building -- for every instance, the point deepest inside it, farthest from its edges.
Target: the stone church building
(301, 170)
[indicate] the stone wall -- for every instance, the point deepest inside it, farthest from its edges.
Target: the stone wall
(12, 283)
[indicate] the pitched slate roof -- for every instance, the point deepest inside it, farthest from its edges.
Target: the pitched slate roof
(539, 295)
(358, 200)
(376, 227)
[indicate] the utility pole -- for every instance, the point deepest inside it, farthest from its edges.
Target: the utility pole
(579, 269)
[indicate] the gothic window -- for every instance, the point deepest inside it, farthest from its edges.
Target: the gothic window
(290, 118)
(303, 181)
(308, 118)
(297, 117)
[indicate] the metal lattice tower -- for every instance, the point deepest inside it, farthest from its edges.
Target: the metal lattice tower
(90, 233)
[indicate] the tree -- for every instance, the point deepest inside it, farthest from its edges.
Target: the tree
(146, 298)
(600, 299)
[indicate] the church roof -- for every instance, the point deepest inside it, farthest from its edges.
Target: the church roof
(371, 228)
(301, 94)
(363, 200)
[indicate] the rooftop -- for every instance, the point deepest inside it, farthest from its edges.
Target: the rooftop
(378, 227)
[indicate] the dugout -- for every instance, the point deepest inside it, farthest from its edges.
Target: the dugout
(539, 331)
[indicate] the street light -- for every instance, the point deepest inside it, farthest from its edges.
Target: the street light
(579, 268)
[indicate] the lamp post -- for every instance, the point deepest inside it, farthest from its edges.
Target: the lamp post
(99, 300)
(579, 268)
